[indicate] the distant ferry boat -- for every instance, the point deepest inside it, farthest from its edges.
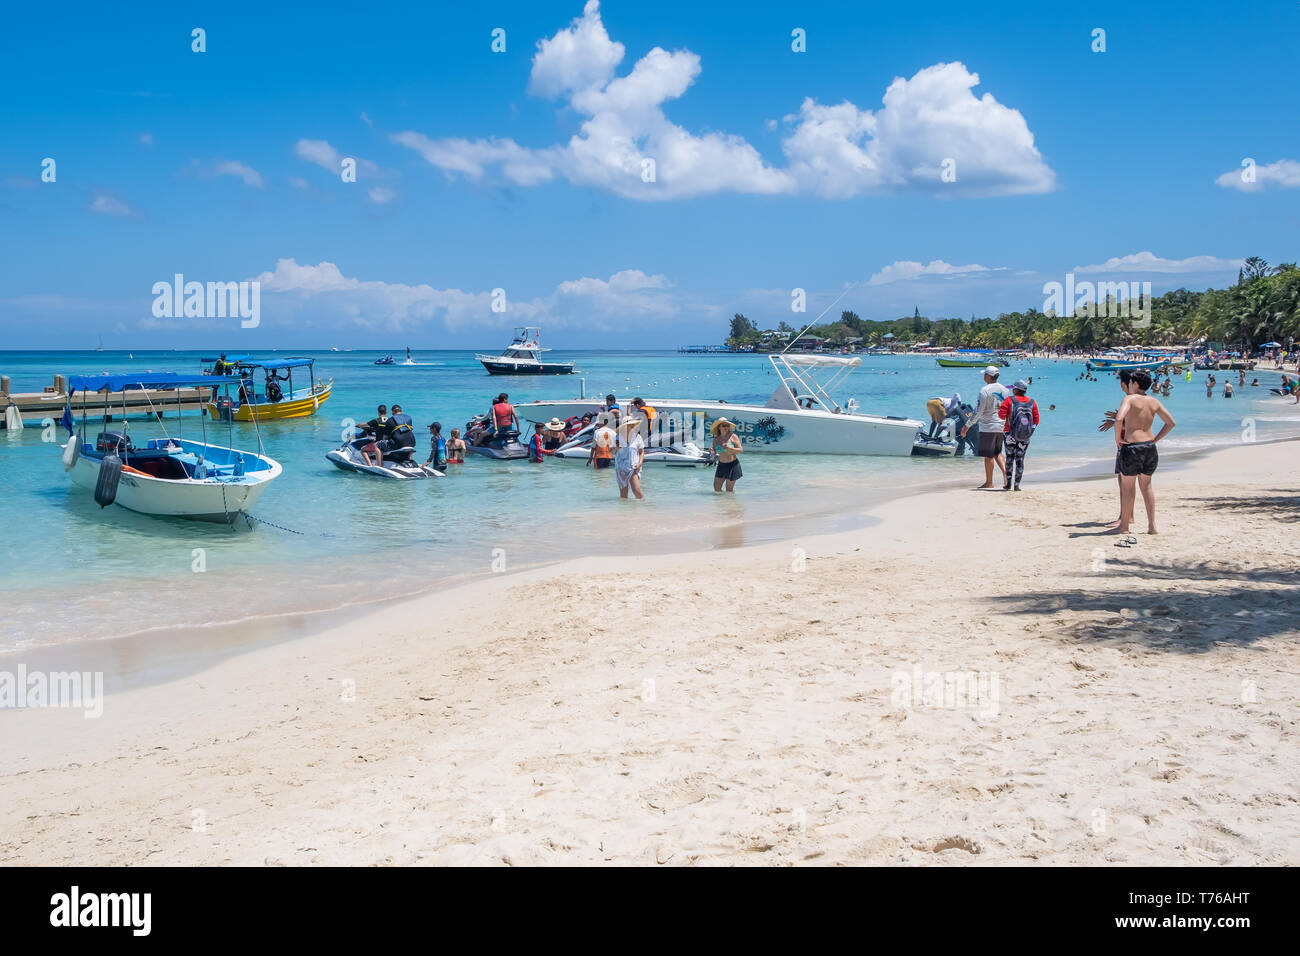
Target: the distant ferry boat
(523, 356)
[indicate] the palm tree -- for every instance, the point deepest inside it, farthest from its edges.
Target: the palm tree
(1255, 267)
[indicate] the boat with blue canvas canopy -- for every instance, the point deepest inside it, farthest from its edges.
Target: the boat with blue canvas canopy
(274, 397)
(170, 476)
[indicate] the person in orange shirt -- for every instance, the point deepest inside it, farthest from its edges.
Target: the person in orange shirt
(602, 446)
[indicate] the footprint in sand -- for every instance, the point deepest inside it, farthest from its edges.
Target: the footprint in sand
(949, 843)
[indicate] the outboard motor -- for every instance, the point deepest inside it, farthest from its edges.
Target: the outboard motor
(225, 408)
(117, 442)
(110, 473)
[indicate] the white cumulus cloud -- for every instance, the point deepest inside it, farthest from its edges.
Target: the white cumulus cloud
(471, 158)
(248, 174)
(930, 124)
(1150, 262)
(1285, 174)
(906, 269)
(318, 151)
(626, 144)
(107, 205)
(580, 57)
(627, 293)
(324, 155)
(329, 296)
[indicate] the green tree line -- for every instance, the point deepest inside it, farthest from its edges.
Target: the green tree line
(1263, 306)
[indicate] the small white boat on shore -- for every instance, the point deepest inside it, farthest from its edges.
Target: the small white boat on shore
(801, 417)
(167, 477)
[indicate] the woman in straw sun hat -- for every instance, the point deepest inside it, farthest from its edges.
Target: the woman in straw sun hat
(629, 457)
(727, 446)
(554, 436)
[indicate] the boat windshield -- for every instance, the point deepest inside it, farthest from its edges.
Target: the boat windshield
(808, 381)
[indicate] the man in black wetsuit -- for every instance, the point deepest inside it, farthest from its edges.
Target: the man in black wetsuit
(401, 432)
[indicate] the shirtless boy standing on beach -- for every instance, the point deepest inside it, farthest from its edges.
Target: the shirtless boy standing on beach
(1137, 448)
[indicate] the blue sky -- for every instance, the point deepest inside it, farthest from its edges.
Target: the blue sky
(520, 170)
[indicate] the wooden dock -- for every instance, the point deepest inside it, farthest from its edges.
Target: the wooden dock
(37, 407)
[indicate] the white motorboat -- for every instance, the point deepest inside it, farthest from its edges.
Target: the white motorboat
(523, 356)
(674, 451)
(168, 477)
(397, 463)
(802, 416)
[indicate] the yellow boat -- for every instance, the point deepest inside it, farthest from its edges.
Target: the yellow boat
(267, 400)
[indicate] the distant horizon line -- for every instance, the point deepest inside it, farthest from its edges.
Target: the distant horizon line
(108, 351)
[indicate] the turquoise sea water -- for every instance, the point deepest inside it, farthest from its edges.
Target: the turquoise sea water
(73, 571)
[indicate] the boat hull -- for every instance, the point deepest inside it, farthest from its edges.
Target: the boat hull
(208, 500)
(299, 407)
(764, 429)
(972, 363)
(345, 459)
(527, 368)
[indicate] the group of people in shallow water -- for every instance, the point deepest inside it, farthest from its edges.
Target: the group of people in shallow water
(394, 434)
(1211, 382)
(620, 438)
(618, 442)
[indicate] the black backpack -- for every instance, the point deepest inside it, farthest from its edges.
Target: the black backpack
(1020, 419)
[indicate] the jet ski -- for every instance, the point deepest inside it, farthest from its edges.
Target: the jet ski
(386, 360)
(947, 440)
(397, 463)
(938, 446)
(683, 453)
(504, 447)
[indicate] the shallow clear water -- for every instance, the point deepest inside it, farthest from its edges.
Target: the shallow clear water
(75, 571)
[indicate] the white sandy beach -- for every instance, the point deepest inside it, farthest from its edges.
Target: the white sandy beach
(728, 707)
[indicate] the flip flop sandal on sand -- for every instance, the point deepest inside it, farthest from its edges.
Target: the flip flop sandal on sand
(1127, 542)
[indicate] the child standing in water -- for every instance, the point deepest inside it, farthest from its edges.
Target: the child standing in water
(456, 448)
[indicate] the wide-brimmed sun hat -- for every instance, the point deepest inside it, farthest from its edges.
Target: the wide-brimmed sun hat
(555, 425)
(1020, 385)
(720, 423)
(629, 423)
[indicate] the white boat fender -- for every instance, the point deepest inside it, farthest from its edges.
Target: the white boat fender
(13, 418)
(71, 452)
(110, 473)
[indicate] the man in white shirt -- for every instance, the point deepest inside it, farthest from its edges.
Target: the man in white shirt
(991, 398)
(602, 442)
